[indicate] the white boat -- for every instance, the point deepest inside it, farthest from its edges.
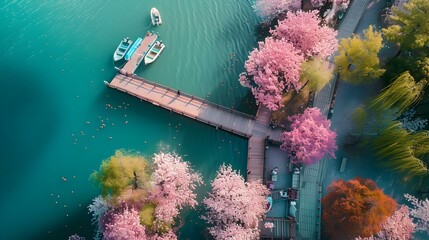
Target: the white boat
(154, 52)
(123, 47)
(155, 16)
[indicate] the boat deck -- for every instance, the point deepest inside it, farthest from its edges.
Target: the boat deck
(132, 64)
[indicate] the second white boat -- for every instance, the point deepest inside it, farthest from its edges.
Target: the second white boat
(154, 52)
(155, 17)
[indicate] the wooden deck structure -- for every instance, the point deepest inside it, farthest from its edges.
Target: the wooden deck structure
(284, 229)
(138, 56)
(256, 129)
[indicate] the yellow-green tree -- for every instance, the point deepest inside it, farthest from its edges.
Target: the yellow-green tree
(401, 150)
(357, 59)
(121, 171)
(410, 25)
(315, 73)
(400, 95)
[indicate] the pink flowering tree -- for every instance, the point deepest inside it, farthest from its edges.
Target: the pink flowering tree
(272, 70)
(419, 211)
(269, 9)
(235, 207)
(304, 31)
(397, 227)
(174, 186)
(145, 212)
(97, 209)
(310, 138)
(122, 223)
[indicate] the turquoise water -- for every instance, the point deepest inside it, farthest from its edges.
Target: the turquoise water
(55, 56)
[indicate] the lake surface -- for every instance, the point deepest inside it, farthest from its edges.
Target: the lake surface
(59, 121)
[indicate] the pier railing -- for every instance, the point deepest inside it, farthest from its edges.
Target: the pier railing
(194, 98)
(183, 113)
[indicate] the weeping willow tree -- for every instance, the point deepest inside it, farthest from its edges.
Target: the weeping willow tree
(315, 73)
(400, 94)
(402, 150)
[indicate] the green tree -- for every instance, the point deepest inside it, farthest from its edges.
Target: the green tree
(410, 25)
(315, 73)
(403, 151)
(400, 94)
(121, 171)
(416, 63)
(357, 60)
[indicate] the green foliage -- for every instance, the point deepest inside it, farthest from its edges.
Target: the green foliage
(410, 25)
(400, 95)
(402, 150)
(416, 63)
(120, 172)
(357, 60)
(147, 214)
(359, 117)
(316, 73)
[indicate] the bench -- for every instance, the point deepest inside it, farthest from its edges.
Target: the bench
(343, 164)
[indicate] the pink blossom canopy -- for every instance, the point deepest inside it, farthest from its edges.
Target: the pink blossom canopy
(397, 227)
(420, 211)
(176, 183)
(304, 31)
(235, 207)
(274, 68)
(310, 138)
(123, 224)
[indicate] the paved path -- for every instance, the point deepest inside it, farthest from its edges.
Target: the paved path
(311, 180)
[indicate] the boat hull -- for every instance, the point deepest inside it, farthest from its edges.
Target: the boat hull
(154, 52)
(155, 17)
(122, 49)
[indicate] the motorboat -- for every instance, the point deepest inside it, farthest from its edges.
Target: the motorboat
(122, 49)
(154, 52)
(133, 48)
(155, 16)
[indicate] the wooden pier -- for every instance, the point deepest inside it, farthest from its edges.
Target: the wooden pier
(139, 54)
(257, 130)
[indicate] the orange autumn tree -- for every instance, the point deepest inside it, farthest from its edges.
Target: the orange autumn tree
(355, 208)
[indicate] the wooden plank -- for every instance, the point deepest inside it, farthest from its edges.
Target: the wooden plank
(138, 55)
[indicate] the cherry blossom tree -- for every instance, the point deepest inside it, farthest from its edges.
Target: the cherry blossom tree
(269, 9)
(419, 211)
(122, 223)
(272, 70)
(141, 201)
(175, 183)
(234, 206)
(397, 227)
(310, 138)
(304, 31)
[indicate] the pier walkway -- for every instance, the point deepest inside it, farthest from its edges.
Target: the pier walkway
(139, 54)
(256, 129)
